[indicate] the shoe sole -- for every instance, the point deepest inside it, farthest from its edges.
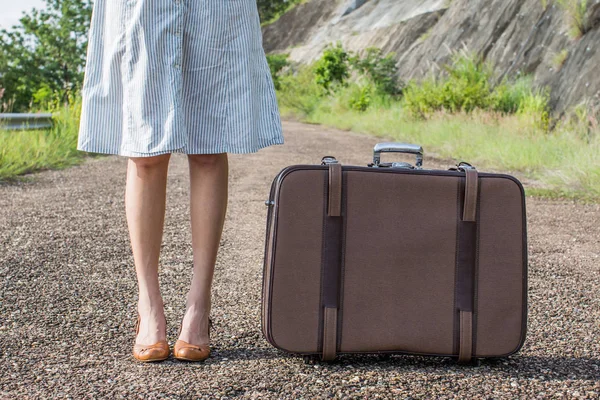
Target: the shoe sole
(189, 359)
(150, 360)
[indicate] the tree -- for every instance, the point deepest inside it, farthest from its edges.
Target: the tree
(45, 55)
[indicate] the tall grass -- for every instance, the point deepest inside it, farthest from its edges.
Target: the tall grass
(33, 150)
(464, 116)
(560, 160)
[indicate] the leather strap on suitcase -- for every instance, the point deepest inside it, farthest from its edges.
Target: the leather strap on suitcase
(331, 259)
(465, 265)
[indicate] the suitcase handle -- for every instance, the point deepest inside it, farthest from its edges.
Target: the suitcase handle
(396, 147)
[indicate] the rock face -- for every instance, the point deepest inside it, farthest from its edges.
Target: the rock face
(517, 36)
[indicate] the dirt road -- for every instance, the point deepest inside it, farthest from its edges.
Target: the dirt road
(68, 295)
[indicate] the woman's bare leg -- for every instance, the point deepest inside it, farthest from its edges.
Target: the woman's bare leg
(208, 205)
(145, 198)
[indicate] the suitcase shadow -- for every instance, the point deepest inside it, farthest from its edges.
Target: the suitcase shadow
(547, 368)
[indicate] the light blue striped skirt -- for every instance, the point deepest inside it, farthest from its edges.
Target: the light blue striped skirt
(187, 76)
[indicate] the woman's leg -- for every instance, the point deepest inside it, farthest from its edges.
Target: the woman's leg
(208, 205)
(145, 197)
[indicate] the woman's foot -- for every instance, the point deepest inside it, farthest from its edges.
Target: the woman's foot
(194, 336)
(152, 324)
(194, 327)
(150, 342)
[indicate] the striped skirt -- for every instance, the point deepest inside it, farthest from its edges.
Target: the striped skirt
(187, 76)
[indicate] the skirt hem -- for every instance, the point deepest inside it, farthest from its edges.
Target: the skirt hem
(183, 150)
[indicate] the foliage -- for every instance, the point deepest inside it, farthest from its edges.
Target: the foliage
(277, 62)
(559, 161)
(425, 35)
(44, 55)
(270, 10)
(361, 97)
(501, 125)
(28, 151)
(299, 92)
(381, 69)
(467, 86)
(577, 13)
(332, 68)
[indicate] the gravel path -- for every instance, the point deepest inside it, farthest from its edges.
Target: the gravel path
(68, 295)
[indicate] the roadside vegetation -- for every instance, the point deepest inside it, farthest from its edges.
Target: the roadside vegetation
(466, 114)
(271, 10)
(27, 151)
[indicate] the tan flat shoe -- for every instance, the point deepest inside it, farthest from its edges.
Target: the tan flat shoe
(158, 351)
(191, 352)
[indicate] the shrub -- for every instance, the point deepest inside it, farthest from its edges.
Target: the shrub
(508, 96)
(332, 68)
(465, 87)
(382, 70)
(277, 62)
(360, 97)
(299, 91)
(270, 10)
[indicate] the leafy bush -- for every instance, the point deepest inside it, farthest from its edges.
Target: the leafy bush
(277, 62)
(44, 54)
(382, 70)
(361, 97)
(332, 68)
(518, 96)
(468, 86)
(583, 120)
(299, 92)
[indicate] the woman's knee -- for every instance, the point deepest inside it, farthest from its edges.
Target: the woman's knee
(207, 160)
(151, 162)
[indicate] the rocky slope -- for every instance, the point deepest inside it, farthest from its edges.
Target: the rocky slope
(518, 36)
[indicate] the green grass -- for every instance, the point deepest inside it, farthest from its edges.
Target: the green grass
(465, 115)
(563, 161)
(469, 84)
(27, 151)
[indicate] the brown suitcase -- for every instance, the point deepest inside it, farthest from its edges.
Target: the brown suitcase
(394, 258)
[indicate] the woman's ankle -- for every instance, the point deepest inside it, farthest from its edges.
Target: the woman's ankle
(150, 304)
